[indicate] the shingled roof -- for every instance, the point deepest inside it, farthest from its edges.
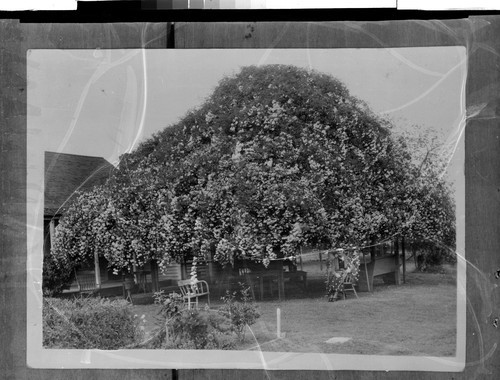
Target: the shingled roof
(66, 173)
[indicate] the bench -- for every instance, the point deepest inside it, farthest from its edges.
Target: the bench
(86, 284)
(193, 289)
(384, 266)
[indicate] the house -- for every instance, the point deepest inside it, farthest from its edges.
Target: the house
(64, 175)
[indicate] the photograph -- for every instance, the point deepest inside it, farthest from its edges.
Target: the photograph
(246, 208)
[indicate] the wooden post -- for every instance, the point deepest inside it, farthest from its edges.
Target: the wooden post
(210, 269)
(414, 251)
(281, 281)
(300, 259)
(184, 270)
(52, 232)
(97, 270)
(155, 284)
(403, 251)
(134, 269)
(396, 261)
(366, 273)
(373, 259)
(278, 322)
(372, 251)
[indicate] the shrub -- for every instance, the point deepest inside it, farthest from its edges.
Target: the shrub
(242, 312)
(57, 275)
(189, 328)
(196, 328)
(89, 323)
(431, 257)
(170, 305)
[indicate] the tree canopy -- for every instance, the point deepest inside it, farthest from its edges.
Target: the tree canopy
(276, 158)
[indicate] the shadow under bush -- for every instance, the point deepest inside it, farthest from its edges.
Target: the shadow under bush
(87, 323)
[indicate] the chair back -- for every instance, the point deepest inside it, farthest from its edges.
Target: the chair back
(186, 286)
(348, 279)
(193, 288)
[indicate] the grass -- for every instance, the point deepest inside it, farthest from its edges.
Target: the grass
(416, 318)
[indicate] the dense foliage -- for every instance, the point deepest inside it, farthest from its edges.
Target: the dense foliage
(57, 274)
(86, 323)
(240, 309)
(182, 328)
(179, 327)
(276, 158)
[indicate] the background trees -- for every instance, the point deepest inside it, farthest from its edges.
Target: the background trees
(432, 227)
(277, 157)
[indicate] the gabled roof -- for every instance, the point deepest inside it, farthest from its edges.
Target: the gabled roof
(66, 173)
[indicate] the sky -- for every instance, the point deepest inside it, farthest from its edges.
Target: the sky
(104, 102)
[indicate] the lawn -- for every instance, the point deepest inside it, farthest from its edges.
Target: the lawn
(416, 318)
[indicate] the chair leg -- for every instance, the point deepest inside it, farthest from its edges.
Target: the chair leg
(129, 296)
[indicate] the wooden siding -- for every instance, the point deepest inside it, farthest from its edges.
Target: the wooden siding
(173, 273)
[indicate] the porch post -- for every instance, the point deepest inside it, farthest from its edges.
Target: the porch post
(210, 268)
(155, 284)
(52, 232)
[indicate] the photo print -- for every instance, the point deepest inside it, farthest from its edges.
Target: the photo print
(246, 208)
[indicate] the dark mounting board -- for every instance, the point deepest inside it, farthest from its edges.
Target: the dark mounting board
(479, 34)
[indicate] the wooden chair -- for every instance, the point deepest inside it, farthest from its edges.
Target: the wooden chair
(349, 285)
(193, 289)
(86, 284)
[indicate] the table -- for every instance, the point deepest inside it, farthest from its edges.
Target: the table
(270, 275)
(298, 275)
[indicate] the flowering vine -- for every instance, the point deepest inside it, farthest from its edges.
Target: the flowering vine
(276, 158)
